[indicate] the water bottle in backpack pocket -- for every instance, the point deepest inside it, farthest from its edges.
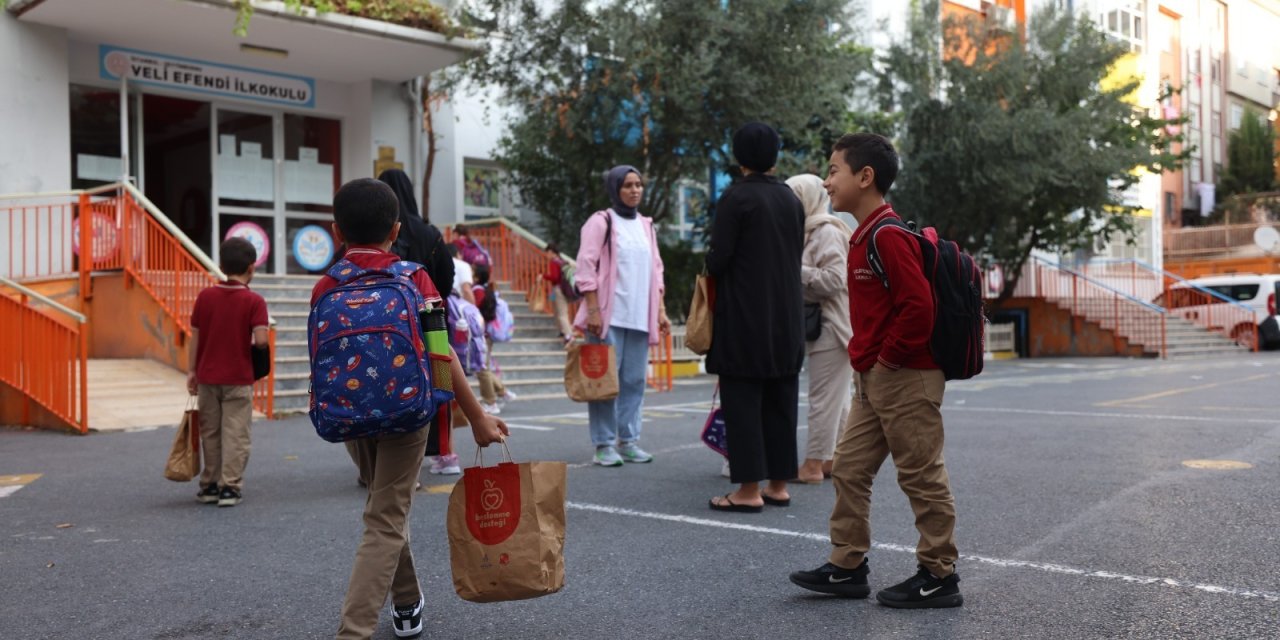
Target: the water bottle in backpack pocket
(371, 373)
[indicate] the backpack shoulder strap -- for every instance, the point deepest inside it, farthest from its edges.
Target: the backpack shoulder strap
(873, 253)
(344, 271)
(608, 230)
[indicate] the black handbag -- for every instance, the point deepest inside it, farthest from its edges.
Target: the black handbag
(812, 321)
(261, 361)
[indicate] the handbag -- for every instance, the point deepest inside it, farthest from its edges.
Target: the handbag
(812, 321)
(713, 433)
(697, 327)
(261, 358)
(506, 527)
(591, 372)
(184, 458)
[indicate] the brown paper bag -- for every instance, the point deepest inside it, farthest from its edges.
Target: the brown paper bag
(184, 458)
(538, 297)
(506, 531)
(591, 372)
(697, 327)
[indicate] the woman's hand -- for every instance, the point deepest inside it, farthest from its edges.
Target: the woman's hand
(664, 324)
(594, 323)
(489, 430)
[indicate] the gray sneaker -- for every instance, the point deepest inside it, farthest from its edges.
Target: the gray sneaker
(631, 452)
(608, 457)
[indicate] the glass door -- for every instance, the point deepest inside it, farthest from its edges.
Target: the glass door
(246, 198)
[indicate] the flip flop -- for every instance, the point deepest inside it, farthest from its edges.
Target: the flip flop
(777, 502)
(731, 506)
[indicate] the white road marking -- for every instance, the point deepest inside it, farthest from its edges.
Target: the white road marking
(5, 492)
(529, 427)
(1102, 414)
(884, 546)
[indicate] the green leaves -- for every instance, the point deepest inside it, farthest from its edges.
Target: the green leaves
(1251, 158)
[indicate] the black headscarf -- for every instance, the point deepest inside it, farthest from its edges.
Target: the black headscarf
(613, 184)
(756, 145)
(418, 241)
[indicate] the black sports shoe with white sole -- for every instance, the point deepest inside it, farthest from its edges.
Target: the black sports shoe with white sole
(229, 497)
(209, 494)
(850, 583)
(923, 591)
(406, 621)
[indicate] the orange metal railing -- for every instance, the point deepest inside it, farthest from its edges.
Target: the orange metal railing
(46, 352)
(1129, 319)
(1202, 307)
(661, 375)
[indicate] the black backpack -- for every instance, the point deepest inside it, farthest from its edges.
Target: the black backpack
(959, 321)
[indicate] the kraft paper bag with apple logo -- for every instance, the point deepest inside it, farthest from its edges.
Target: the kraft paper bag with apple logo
(506, 530)
(591, 372)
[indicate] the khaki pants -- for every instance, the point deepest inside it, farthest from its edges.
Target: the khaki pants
(225, 414)
(561, 307)
(830, 392)
(383, 562)
(894, 412)
(490, 385)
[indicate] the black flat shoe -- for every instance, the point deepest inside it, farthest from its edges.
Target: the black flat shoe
(733, 507)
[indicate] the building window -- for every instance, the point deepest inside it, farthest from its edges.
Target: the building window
(1125, 24)
(1235, 116)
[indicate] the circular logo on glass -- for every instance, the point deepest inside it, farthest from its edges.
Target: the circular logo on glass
(256, 235)
(313, 247)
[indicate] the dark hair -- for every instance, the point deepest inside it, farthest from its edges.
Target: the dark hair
(236, 255)
(481, 272)
(460, 229)
(553, 247)
(870, 150)
(452, 249)
(365, 210)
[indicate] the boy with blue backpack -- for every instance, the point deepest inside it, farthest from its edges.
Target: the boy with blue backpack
(374, 387)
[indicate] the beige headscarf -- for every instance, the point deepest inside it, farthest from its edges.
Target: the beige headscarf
(817, 204)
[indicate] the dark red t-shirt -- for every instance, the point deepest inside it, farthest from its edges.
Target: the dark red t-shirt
(375, 258)
(226, 315)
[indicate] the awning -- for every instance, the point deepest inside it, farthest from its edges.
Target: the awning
(331, 46)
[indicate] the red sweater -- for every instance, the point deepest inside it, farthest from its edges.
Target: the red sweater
(553, 273)
(890, 326)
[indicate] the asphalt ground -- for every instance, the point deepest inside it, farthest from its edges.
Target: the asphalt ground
(1078, 517)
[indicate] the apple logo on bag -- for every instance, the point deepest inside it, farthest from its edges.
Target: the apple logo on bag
(595, 360)
(491, 497)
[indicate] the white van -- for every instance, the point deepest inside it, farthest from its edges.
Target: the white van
(1257, 292)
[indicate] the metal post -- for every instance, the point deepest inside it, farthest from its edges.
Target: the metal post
(124, 128)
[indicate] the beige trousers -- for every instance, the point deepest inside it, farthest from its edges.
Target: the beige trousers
(561, 307)
(830, 393)
(383, 562)
(490, 385)
(226, 412)
(899, 413)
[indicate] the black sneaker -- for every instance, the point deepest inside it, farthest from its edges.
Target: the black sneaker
(850, 583)
(209, 494)
(229, 497)
(407, 621)
(923, 591)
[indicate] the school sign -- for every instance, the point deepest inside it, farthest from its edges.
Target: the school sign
(185, 74)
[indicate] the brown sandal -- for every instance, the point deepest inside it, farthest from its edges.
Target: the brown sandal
(731, 506)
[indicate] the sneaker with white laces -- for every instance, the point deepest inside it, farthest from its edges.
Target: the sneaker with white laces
(923, 591)
(491, 409)
(607, 457)
(406, 621)
(631, 452)
(445, 465)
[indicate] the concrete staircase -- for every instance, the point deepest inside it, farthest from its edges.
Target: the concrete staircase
(532, 363)
(1185, 340)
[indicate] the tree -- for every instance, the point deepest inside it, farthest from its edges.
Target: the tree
(660, 84)
(1010, 146)
(1251, 158)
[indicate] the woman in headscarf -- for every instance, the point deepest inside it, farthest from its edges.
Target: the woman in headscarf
(824, 273)
(419, 241)
(757, 341)
(620, 275)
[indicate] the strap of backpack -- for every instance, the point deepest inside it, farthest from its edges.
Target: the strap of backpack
(344, 271)
(873, 253)
(608, 230)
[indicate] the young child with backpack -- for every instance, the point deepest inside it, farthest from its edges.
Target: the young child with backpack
(899, 385)
(497, 319)
(559, 285)
(220, 375)
(365, 215)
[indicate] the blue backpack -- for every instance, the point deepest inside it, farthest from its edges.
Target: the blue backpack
(370, 371)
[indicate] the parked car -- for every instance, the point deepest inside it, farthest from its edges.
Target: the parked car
(1257, 292)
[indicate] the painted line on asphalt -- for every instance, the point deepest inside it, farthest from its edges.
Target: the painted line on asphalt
(529, 427)
(10, 484)
(1174, 392)
(884, 546)
(1103, 414)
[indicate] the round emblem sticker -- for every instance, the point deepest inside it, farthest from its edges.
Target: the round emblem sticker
(256, 236)
(106, 238)
(313, 247)
(117, 63)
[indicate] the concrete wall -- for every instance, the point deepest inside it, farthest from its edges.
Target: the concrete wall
(35, 138)
(1053, 332)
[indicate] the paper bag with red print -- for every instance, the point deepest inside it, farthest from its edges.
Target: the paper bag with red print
(591, 372)
(506, 531)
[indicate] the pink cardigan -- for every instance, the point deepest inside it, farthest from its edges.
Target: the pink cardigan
(598, 271)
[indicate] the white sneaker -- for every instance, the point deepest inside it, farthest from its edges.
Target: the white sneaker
(407, 621)
(724, 468)
(491, 409)
(445, 465)
(510, 395)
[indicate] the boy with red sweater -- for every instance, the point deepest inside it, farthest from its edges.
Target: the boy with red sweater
(897, 405)
(226, 317)
(366, 214)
